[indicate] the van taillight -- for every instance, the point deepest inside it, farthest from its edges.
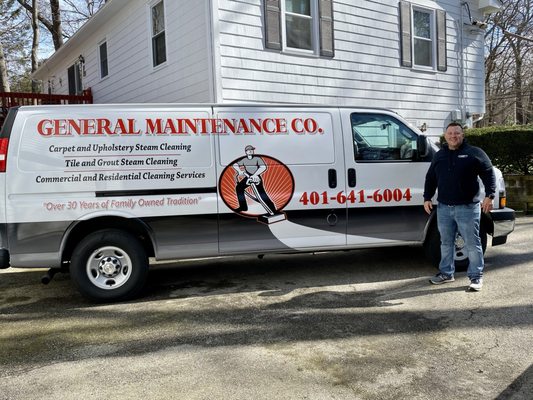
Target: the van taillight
(503, 199)
(3, 153)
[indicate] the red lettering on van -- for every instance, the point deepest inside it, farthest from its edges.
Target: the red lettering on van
(87, 127)
(51, 127)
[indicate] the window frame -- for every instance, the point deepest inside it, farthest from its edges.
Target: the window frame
(315, 34)
(440, 36)
(158, 35)
(100, 60)
(432, 39)
(324, 30)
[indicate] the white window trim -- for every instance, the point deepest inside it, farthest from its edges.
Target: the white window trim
(100, 43)
(433, 39)
(314, 31)
(151, 5)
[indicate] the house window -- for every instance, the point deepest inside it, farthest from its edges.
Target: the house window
(159, 52)
(423, 42)
(75, 84)
(102, 53)
(300, 25)
(423, 37)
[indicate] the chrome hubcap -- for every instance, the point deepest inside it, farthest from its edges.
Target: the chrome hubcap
(109, 267)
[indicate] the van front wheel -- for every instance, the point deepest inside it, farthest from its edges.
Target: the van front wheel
(109, 265)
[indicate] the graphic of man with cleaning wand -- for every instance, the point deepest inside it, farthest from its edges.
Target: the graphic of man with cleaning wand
(250, 169)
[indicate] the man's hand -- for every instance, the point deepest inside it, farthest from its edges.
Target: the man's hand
(428, 206)
(487, 205)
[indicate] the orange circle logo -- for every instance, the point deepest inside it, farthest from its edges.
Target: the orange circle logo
(256, 185)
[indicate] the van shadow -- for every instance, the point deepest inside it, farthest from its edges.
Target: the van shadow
(186, 304)
(520, 388)
(276, 275)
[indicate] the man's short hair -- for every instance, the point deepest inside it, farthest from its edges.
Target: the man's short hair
(454, 123)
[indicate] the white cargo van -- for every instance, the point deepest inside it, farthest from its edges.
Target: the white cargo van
(99, 189)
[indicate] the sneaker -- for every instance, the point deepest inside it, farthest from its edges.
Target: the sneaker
(476, 284)
(441, 278)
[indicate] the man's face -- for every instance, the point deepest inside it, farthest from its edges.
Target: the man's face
(454, 136)
(249, 153)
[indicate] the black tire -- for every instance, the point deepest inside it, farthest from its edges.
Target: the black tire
(109, 265)
(432, 248)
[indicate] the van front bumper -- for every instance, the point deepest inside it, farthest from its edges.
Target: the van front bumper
(503, 220)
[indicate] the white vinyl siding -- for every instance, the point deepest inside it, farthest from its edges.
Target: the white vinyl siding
(365, 71)
(217, 52)
(186, 76)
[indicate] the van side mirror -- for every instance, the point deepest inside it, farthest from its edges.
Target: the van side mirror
(422, 146)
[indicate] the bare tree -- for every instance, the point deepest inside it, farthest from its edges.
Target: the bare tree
(57, 30)
(4, 81)
(13, 39)
(77, 12)
(58, 20)
(509, 79)
(35, 43)
(52, 23)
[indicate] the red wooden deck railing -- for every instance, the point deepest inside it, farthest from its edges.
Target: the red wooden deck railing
(13, 99)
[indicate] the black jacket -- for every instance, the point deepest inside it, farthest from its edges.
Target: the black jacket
(454, 173)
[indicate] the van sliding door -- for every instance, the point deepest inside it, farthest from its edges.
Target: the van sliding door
(281, 179)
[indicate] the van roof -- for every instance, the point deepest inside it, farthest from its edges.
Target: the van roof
(194, 106)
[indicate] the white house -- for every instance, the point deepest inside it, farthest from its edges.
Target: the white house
(421, 58)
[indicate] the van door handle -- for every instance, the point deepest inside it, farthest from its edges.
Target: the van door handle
(332, 178)
(352, 181)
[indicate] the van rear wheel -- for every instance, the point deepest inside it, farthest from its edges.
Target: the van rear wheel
(109, 265)
(432, 248)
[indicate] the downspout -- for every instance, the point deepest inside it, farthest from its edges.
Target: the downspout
(462, 92)
(212, 49)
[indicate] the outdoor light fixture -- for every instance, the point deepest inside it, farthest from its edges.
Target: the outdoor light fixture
(476, 26)
(479, 24)
(81, 59)
(490, 6)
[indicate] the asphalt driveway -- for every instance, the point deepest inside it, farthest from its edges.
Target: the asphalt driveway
(347, 325)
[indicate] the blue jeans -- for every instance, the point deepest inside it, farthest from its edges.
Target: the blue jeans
(465, 219)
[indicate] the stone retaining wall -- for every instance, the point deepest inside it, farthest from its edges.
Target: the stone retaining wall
(519, 192)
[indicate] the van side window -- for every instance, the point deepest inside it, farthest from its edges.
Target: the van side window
(379, 137)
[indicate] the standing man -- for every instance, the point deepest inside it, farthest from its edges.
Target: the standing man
(454, 171)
